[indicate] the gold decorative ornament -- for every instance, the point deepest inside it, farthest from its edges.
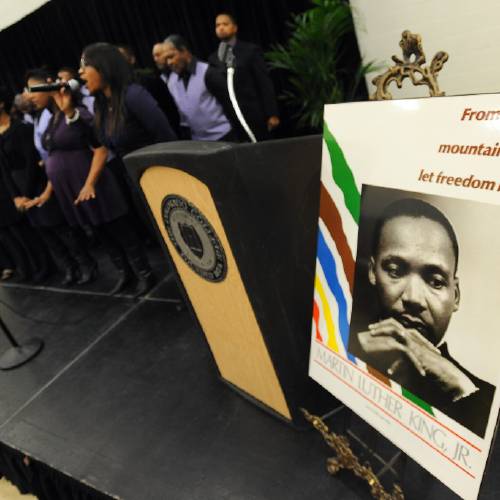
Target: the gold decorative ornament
(346, 459)
(412, 66)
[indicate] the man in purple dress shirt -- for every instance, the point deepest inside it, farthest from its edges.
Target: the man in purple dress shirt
(198, 108)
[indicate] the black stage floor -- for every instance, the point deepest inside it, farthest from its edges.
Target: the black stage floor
(125, 402)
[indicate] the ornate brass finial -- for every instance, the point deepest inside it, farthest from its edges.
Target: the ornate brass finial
(346, 459)
(411, 45)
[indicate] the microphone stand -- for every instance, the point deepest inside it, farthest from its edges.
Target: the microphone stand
(18, 354)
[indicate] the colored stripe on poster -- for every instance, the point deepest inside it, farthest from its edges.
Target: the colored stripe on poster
(342, 175)
(316, 321)
(348, 223)
(329, 267)
(327, 314)
(416, 400)
(331, 217)
(332, 306)
(378, 375)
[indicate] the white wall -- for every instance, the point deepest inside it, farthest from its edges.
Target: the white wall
(12, 11)
(468, 30)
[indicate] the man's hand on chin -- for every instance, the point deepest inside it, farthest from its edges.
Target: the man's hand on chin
(388, 338)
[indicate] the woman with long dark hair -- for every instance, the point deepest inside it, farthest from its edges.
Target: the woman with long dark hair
(126, 116)
(87, 192)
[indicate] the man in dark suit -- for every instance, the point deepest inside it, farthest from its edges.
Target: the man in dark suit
(253, 87)
(413, 268)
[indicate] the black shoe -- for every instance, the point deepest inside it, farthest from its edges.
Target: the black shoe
(145, 281)
(70, 276)
(125, 278)
(88, 273)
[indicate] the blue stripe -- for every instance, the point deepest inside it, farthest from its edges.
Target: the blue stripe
(330, 271)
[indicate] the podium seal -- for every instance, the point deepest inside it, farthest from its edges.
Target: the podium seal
(194, 238)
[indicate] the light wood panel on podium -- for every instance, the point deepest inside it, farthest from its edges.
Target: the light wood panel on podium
(223, 308)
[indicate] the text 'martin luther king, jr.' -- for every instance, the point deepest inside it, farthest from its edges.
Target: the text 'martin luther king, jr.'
(414, 270)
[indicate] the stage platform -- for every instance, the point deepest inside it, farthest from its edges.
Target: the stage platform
(125, 402)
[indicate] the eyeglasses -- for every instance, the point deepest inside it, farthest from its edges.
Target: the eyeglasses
(83, 64)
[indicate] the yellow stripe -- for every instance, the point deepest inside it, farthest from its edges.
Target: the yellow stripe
(332, 341)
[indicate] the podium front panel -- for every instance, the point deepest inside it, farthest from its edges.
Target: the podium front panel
(221, 305)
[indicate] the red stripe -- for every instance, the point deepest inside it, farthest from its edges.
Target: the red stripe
(316, 321)
(331, 217)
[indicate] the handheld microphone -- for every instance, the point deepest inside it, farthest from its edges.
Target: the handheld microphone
(51, 87)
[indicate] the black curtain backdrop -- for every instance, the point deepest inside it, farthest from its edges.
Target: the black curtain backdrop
(56, 33)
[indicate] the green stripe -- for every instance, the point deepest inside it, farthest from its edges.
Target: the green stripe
(416, 400)
(342, 175)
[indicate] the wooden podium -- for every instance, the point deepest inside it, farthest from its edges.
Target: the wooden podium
(239, 225)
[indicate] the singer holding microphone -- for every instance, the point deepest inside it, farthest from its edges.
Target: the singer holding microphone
(127, 118)
(87, 192)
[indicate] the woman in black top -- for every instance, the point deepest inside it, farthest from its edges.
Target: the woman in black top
(127, 117)
(19, 178)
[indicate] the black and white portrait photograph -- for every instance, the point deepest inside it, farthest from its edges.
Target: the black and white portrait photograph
(426, 297)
